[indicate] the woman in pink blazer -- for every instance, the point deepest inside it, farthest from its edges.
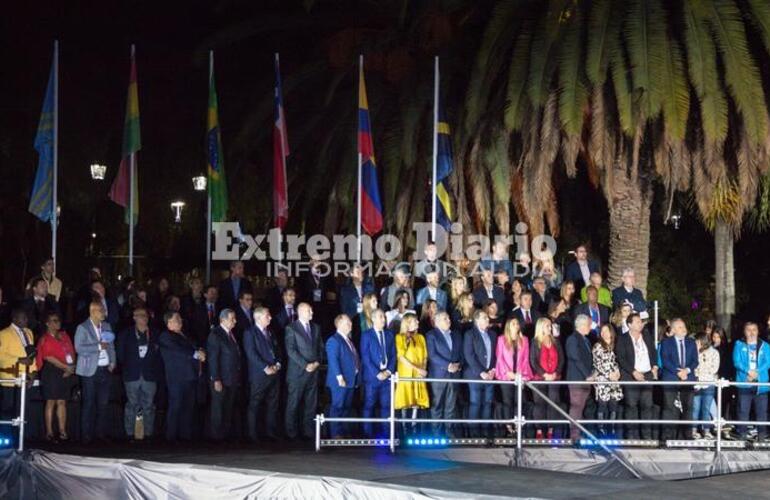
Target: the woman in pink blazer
(512, 352)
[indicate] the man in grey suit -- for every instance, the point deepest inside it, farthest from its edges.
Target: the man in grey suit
(304, 347)
(95, 345)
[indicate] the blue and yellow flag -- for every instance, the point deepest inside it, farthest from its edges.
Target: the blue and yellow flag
(41, 200)
(443, 170)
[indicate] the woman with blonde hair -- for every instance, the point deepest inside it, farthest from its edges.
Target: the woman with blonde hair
(512, 353)
(412, 356)
(546, 357)
(369, 304)
(462, 316)
(457, 286)
(619, 317)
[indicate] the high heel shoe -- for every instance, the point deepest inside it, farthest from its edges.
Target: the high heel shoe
(63, 436)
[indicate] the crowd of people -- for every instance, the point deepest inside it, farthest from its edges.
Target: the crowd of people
(232, 360)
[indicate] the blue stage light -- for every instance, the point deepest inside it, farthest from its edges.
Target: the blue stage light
(443, 441)
(423, 442)
(410, 442)
(430, 442)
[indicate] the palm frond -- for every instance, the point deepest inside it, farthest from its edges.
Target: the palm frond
(516, 95)
(645, 34)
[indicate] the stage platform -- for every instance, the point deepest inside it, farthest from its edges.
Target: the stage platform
(296, 471)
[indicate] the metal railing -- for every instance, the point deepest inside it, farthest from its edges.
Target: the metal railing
(20, 420)
(520, 421)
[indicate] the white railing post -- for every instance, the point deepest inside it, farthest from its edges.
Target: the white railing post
(318, 419)
(519, 417)
(655, 316)
(392, 420)
(22, 409)
(720, 384)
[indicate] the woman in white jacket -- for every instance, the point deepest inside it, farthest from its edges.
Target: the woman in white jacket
(707, 371)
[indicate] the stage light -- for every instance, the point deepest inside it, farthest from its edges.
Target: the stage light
(410, 442)
(176, 207)
(357, 442)
(703, 443)
(621, 443)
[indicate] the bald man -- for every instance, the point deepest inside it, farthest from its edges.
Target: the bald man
(304, 348)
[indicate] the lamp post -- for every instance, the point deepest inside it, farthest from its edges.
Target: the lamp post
(199, 182)
(98, 172)
(177, 207)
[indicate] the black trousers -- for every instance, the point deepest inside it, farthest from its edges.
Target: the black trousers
(443, 405)
(222, 404)
(95, 391)
(302, 390)
(181, 407)
(671, 412)
(264, 392)
(638, 405)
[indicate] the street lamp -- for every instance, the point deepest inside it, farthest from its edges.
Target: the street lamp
(199, 182)
(98, 172)
(177, 207)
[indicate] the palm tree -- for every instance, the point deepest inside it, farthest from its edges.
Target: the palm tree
(634, 91)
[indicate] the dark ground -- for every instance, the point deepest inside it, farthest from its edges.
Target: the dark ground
(407, 469)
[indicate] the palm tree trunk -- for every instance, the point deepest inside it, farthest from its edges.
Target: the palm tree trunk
(724, 275)
(629, 200)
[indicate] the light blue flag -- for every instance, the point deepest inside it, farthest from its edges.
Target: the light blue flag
(41, 200)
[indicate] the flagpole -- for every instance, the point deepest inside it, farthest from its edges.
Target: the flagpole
(283, 161)
(132, 173)
(55, 201)
(358, 138)
(208, 198)
(435, 147)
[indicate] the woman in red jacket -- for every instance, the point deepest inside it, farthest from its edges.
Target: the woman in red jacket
(547, 360)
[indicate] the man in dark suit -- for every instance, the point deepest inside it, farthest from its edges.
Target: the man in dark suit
(579, 271)
(488, 290)
(378, 357)
(139, 357)
(243, 315)
(182, 363)
(637, 360)
(317, 288)
(38, 305)
(541, 296)
(627, 292)
(678, 361)
(445, 361)
(274, 293)
(579, 368)
(111, 308)
(352, 293)
(286, 312)
(479, 355)
(526, 314)
(304, 348)
(400, 282)
(230, 289)
(598, 313)
(201, 316)
(343, 374)
(224, 357)
(264, 366)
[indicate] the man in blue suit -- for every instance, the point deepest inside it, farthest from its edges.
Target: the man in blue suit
(445, 348)
(230, 289)
(224, 357)
(182, 362)
(678, 361)
(343, 374)
(579, 271)
(479, 355)
(378, 358)
(432, 290)
(262, 356)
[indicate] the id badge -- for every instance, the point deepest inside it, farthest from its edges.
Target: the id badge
(142, 351)
(69, 359)
(359, 307)
(317, 295)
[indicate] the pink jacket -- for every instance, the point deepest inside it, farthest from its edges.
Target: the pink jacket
(505, 359)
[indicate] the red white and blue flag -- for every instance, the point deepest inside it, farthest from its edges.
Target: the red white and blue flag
(371, 206)
(280, 154)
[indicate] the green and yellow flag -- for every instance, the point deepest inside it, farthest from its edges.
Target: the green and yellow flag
(216, 168)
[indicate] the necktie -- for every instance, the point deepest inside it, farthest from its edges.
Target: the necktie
(681, 353)
(211, 313)
(290, 312)
(383, 354)
(527, 318)
(354, 352)
(308, 333)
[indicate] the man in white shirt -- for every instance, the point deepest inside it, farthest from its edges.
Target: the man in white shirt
(638, 361)
(94, 344)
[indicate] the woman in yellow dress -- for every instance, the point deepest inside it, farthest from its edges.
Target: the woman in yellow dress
(412, 355)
